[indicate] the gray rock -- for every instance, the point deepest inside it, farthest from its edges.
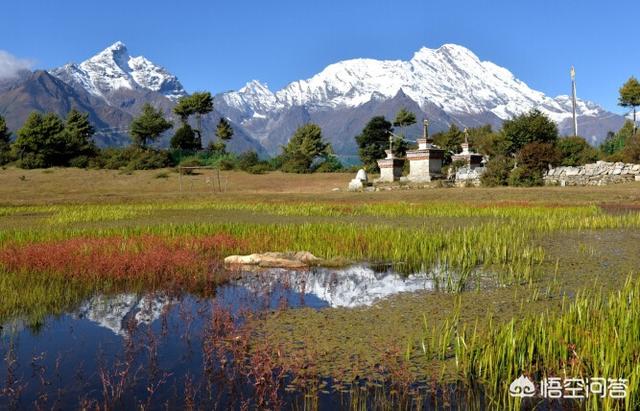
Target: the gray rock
(301, 259)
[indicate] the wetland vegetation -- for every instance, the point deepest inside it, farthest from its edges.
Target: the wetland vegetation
(540, 282)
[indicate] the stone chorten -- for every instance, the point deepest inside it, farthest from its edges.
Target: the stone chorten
(391, 166)
(472, 159)
(425, 163)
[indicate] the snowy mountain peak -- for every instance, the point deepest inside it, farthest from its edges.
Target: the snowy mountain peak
(451, 77)
(255, 86)
(113, 69)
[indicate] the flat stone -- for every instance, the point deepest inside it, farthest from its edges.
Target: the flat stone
(301, 259)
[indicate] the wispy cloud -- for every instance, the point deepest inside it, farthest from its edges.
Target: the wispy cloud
(11, 65)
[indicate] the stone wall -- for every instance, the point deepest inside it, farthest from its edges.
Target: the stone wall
(596, 174)
(466, 176)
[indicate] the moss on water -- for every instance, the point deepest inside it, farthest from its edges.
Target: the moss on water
(350, 342)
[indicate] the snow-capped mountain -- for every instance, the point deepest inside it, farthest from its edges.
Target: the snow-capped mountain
(111, 312)
(450, 79)
(448, 85)
(116, 81)
(351, 287)
(114, 69)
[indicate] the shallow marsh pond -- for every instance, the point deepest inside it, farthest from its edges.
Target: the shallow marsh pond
(121, 348)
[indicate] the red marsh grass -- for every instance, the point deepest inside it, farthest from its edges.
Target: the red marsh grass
(151, 259)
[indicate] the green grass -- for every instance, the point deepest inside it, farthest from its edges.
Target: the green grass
(595, 335)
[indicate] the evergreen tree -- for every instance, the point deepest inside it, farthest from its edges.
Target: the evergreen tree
(450, 141)
(198, 104)
(404, 118)
(148, 126)
(373, 141)
(615, 142)
(304, 148)
(630, 97)
(184, 109)
(631, 151)
(224, 131)
(530, 127)
(78, 134)
(40, 142)
(5, 142)
(185, 139)
(485, 141)
(202, 105)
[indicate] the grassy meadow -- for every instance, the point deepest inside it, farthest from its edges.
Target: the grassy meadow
(536, 281)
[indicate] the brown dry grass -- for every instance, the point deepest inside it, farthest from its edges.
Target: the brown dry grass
(56, 186)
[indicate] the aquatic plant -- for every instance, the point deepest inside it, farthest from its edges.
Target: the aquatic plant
(595, 335)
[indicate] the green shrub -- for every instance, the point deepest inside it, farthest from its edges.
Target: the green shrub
(330, 165)
(132, 158)
(525, 177)
(217, 148)
(32, 160)
(497, 171)
(149, 160)
(247, 160)
(79, 162)
(226, 164)
(575, 151)
(259, 168)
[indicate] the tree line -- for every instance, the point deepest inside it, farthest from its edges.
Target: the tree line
(47, 140)
(519, 153)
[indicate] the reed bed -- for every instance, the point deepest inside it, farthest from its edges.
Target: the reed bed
(595, 335)
(505, 240)
(65, 214)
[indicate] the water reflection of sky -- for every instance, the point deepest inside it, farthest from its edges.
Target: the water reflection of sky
(71, 347)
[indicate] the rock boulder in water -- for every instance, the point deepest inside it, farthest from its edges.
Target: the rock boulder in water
(301, 259)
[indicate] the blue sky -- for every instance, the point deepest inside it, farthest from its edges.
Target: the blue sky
(220, 46)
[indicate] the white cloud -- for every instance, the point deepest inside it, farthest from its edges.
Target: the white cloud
(11, 65)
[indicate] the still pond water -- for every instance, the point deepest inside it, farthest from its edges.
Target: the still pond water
(131, 350)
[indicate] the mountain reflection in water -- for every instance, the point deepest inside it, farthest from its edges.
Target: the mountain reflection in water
(355, 286)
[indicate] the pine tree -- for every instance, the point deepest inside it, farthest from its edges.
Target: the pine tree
(630, 97)
(373, 141)
(78, 134)
(450, 141)
(5, 142)
(198, 104)
(185, 139)
(404, 118)
(202, 105)
(148, 126)
(224, 131)
(40, 142)
(616, 142)
(184, 109)
(304, 148)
